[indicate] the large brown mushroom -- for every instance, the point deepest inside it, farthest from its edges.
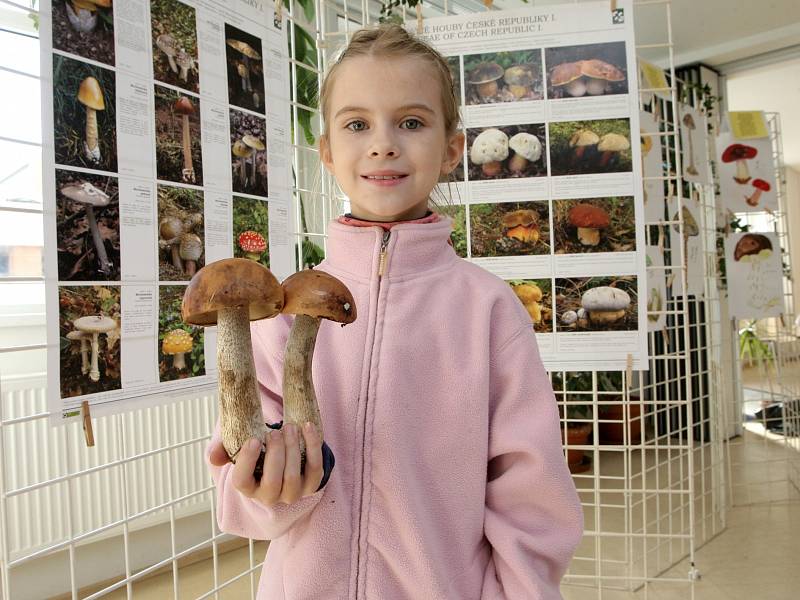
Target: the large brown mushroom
(184, 107)
(311, 296)
(568, 76)
(90, 94)
(589, 220)
(230, 293)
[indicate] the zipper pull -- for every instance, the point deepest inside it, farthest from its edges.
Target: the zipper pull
(382, 258)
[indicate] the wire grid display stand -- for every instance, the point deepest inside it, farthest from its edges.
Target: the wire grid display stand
(101, 521)
(766, 449)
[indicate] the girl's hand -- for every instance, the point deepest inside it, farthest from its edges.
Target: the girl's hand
(281, 480)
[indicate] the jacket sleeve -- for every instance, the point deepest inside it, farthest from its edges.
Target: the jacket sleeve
(533, 519)
(237, 514)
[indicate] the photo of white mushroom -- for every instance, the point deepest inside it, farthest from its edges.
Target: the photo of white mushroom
(85, 28)
(586, 70)
(582, 147)
(84, 115)
(89, 327)
(503, 77)
(509, 229)
(87, 227)
(178, 136)
(181, 351)
(248, 141)
(181, 237)
(245, 64)
(174, 36)
(597, 304)
(594, 225)
(506, 152)
(536, 296)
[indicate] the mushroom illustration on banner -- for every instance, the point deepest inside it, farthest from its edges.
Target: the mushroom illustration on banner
(747, 177)
(761, 289)
(740, 154)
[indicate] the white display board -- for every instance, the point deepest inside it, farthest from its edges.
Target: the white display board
(755, 275)
(165, 137)
(550, 108)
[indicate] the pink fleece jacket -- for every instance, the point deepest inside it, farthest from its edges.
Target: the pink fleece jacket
(450, 482)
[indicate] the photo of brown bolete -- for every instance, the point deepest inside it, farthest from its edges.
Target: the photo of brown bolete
(586, 70)
(84, 115)
(251, 229)
(85, 28)
(594, 225)
(180, 346)
(597, 304)
(509, 229)
(87, 227)
(245, 66)
(89, 328)
(174, 34)
(249, 153)
(181, 238)
(503, 77)
(535, 295)
(458, 236)
(178, 136)
(506, 152)
(581, 147)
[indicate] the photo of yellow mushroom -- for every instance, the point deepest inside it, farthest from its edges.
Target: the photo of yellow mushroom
(509, 229)
(582, 147)
(586, 70)
(594, 225)
(173, 27)
(503, 77)
(181, 237)
(248, 143)
(85, 28)
(87, 227)
(89, 330)
(84, 115)
(506, 152)
(597, 304)
(178, 136)
(181, 352)
(535, 295)
(245, 65)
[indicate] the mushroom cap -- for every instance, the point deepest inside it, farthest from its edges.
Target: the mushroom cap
(167, 44)
(170, 227)
(751, 244)
(184, 59)
(528, 292)
(588, 215)
(242, 47)
(524, 216)
(688, 120)
(605, 298)
(584, 137)
(183, 106)
(231, 283)
(519, 75)
(318, 294)
(569, 317)
(241, 149)
(85, 193)
(598, 69)
(91, 94)
(253, 142)
(76, 335)
(761, 185)
(191, 247)
(565, 73)
(526, 145)
(613, 142)
(738, 152)
(690, 227)
(252, 241)
(484, 73)
(491, 145)
(177, 341)
(95, 324)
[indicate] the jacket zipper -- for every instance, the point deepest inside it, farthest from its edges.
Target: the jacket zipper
(381, 270)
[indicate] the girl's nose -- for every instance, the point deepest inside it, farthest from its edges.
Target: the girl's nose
(383, 144)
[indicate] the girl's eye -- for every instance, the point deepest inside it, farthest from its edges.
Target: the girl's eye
(412, 123)
(356, 125)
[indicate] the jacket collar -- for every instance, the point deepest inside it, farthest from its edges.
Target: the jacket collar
(412, 248)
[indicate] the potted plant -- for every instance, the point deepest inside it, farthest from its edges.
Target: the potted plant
(614, 422)
(577, 414)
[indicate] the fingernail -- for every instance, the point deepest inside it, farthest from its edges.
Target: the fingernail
(253, 444)
(309, 427)
(290, 431)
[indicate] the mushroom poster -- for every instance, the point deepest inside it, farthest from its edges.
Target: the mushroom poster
(746, 174)
(694, 143)
(753, 268)
(549, 195)
(165, 135)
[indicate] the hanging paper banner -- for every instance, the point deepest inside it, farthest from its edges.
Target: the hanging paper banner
(755, 276)
(748, 125)
(694, 143)
(687, 248)
(746, 174)
(656, 289)
(653, 169)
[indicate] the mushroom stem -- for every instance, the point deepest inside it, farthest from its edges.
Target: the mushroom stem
(92, 147)
(255, 156)
(491, 169)
(240, 406)
(742, 172)
(518, 163)
(188, 169)
(175, 252)
(299, 398)
(247, 87)
(84, 355)
(191, 268)
(691, 170)
(589, 236)
(94, 373)
(753, 200)
(605, 157)
(102, 257)
(178, 361)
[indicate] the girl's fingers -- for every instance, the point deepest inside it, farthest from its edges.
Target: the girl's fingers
(242, 475)
(269, 491)
(312, 474)
(292, 483)
(217, 455)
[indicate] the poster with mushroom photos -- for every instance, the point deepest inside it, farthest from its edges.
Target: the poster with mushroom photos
(746, 174)
(693, 127)
(754, 269)
(549, 194)
(166, 130)
(688, 244)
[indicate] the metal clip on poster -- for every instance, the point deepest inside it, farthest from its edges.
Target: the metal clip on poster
(278, 11)
(419, 17)
(86, 417)
(629, 371)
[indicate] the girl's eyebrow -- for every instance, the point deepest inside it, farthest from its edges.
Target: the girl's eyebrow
(413, 106)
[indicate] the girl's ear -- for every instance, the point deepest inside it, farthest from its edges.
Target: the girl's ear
(325, 152)
(453, 152)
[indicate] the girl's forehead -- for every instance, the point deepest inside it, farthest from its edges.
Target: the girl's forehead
(370, 80)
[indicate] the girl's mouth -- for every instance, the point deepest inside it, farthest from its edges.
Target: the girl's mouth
(384, 180)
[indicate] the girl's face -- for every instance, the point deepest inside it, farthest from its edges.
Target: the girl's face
(386, 120)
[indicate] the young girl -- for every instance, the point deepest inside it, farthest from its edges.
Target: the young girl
(450, 482)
